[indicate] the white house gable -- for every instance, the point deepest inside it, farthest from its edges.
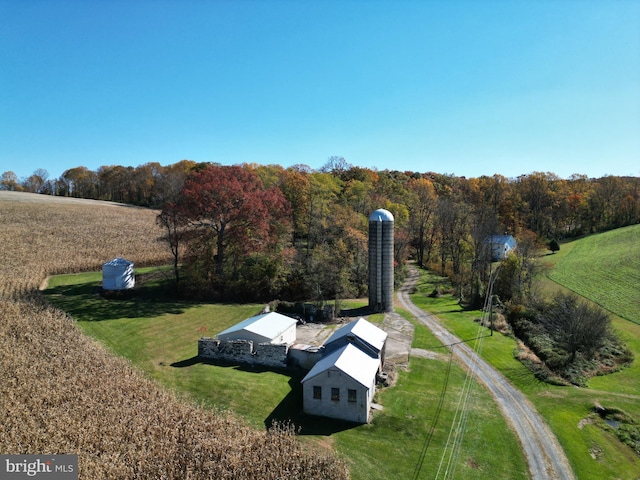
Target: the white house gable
(500, 246)
(341, 385)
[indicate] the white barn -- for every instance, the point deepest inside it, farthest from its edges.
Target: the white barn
(361, 333)
(272, 327)
(118, 274)
(341, 385)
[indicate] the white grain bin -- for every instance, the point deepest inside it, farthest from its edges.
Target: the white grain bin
(117, 274)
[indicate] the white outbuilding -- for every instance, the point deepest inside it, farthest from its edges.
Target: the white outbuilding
(341, 385)
(272, 327)
(118, 274)
(361, 333)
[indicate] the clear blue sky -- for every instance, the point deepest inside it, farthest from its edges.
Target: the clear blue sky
(463, 87)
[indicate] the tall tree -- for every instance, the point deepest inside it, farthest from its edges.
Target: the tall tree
(296, 188)
(483, 223)
(422, 208)
(452, 221)
(538, 192)
(80, 182)
(575, 325)
(172, 180)
(324, 193)
(37, 182)
(10, 181)
(173, 220)
(233, 206)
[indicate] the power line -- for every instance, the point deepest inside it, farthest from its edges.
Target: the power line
(418, 468)
(459, 424)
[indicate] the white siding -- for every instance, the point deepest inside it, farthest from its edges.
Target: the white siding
(347, 368)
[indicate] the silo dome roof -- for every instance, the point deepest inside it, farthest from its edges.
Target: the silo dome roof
(381, 215)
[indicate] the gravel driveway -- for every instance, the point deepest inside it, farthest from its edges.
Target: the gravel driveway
(545, 457)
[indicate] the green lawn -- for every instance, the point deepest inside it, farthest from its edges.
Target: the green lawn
(160, 336)
(392, 445)
(604, 268)
(568, 410)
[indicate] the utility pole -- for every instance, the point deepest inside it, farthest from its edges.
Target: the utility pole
(491, 313)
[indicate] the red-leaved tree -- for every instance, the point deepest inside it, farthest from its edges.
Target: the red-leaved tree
(239, 215)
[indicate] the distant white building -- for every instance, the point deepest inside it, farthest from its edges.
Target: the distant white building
(273, 328)
(118, 274)
(341, 385)
(500, 246)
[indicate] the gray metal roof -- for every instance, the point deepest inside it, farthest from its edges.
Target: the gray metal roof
(351, 361)
(270, 325)
(362, 329)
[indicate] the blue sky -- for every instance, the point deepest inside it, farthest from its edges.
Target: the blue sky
(462, 87)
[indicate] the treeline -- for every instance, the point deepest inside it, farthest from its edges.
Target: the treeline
(542, 202)
(308, 237)
(148, 185)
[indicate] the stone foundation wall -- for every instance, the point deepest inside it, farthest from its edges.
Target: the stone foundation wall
(243, 351)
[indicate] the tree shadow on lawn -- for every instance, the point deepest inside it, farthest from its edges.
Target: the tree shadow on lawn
(356, 312)
(289, 410)
(87, 302)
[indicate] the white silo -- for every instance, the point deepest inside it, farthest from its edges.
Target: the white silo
(381, 261)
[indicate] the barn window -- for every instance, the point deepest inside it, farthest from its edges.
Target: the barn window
(335, 394)
(317, 392)
(351, 395)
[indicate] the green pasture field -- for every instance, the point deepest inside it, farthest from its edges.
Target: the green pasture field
(590, 444)
(160, 336)
(604, 268)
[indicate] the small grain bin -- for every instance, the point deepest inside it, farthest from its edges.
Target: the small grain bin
(117, 274)
(381, 224)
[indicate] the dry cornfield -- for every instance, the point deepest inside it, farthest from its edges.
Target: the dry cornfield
(62, 392)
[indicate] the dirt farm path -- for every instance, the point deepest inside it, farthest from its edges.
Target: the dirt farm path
(543, 453)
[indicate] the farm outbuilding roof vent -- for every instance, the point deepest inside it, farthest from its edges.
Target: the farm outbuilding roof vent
(118, 274)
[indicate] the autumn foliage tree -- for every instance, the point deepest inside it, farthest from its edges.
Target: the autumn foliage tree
(233, 217)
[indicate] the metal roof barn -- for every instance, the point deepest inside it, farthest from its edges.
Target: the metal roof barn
(341, 385)
(270, 327)
(365, 335)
